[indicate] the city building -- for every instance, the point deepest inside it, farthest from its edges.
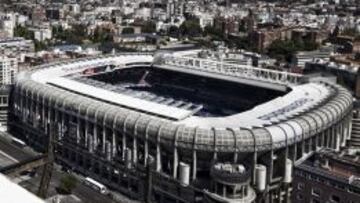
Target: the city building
(8, 70)
(17, 46)
(327, 176)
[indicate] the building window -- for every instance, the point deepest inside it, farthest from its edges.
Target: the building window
(335, 198)
(300, 186)
(315, 192)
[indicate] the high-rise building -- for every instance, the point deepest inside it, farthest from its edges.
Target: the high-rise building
(8, 69)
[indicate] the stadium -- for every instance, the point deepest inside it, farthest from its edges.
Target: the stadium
(174, 127)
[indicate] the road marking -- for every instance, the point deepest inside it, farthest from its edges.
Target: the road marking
(9, 157)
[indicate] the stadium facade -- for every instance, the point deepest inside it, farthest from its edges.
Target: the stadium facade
(209, 131)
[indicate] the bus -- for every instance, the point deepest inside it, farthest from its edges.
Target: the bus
(18, 142)
(96, 185)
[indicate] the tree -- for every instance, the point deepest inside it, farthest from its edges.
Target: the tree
(128, 30)
(39, 46)
(148, 27)
(285, 49)
(76, 35)
(24, 32)
(67, 183)
(174, 31)
(190, 28)
(211, 30)
(102, 35)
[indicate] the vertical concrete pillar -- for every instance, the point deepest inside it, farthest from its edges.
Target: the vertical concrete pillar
(123, 145)
(146, 151)
(86, 133)
(175, 162)
(194, 165)
(134, 157)
(35, 121)
(271, 169)
(95, 136)
(158, 157)
(254, 167)
(349, 126)
(90, 144)
(104, 134)
(343, 133)
(113, 144)
(338, 137)
(62, 124)
(78, 127)
(333, 139)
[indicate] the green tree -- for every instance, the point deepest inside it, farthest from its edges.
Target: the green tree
(67, 183)
(102, 35)
(190, 28)
(39, 46)
(24, 32)
(128, 30)
(75, 35)
(285, 49)
(148, 27)
(211, 30)
(174, 31)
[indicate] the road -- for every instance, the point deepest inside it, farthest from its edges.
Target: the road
(14, 151)
(85, 193)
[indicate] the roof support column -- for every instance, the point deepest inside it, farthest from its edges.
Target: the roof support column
(194, 156)
(349, 126)
(158, 150)
(35, 121)
(123, 153)
(95, 136)
(317, 137)
(176, 155)
(254, 157)
(343, 133)
(146, 143)
(134, 154)
(78, 128)
(104, 135)
(135, 141)
(158, 157)
(146, 151)
(215, 147)
(338, 137)
(124, 147)
(333, 137)
(271, 169)
(194, 164)
(86, 133)
(175, 162)
(113, 144)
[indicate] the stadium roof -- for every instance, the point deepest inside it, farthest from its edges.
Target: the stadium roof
(121, 99)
